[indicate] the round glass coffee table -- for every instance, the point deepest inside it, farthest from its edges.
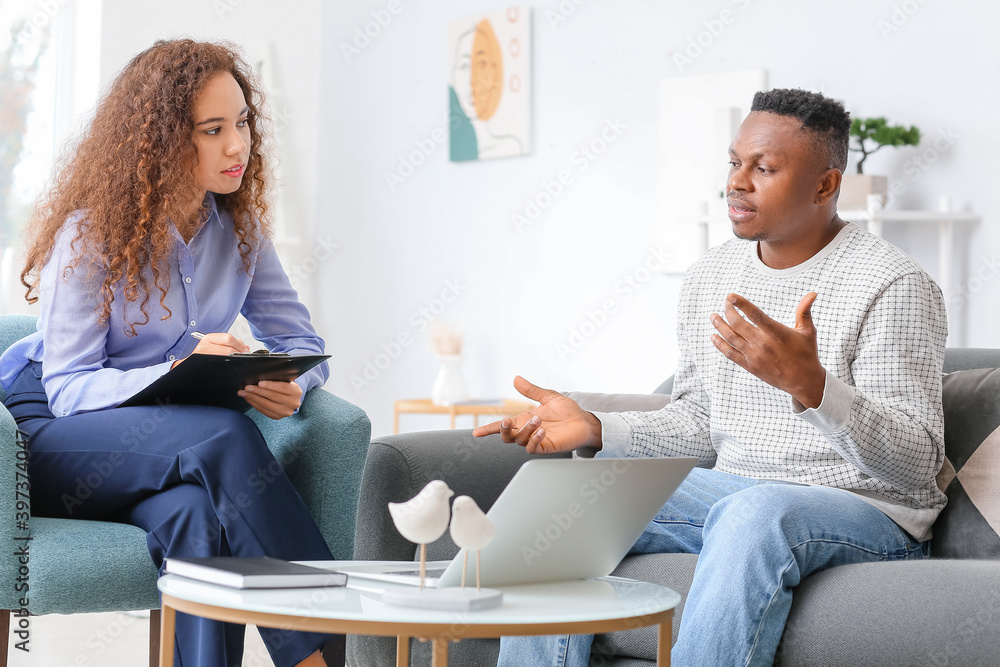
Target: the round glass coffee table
(589, 606)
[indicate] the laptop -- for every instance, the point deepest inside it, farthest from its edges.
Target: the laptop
(557, 520)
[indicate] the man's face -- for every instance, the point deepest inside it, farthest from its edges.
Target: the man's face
(774, 174)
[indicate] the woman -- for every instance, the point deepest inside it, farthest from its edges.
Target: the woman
(157, 228)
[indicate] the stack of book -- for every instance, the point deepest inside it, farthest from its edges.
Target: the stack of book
(253, 572)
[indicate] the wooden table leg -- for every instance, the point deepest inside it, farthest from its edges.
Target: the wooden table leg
(663, 645)
(154, 637)
(402, 651)
(395, 420)
(4, 634)
(439, 652)
(167, 637)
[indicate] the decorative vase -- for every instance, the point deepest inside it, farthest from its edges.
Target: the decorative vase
(449, 386)
(855, 188)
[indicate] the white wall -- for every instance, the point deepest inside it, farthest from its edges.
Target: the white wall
(524, 292)
(287, 35)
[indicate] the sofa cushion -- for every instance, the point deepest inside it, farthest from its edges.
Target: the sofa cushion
(969, 526)
(930, 612)
(618, 402)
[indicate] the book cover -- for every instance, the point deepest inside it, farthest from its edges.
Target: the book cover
(253, 572)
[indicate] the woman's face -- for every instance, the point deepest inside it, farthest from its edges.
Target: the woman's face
(221, 134)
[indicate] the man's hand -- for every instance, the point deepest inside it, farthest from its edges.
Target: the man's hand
(273, 398)
(558, 424)
(783, 357)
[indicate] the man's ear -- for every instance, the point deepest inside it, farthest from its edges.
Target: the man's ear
(829, 184)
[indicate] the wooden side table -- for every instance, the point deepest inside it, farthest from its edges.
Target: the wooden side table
(496, 409)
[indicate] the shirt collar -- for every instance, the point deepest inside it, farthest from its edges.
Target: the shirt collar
(211, 205)
(213, 209)
(806, 265)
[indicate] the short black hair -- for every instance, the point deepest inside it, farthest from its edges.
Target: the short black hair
(819, 114)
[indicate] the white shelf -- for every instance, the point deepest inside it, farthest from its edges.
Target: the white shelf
(909, 216)
(874, 218)
(945, 220)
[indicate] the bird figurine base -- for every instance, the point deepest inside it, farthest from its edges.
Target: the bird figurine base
(444, 599)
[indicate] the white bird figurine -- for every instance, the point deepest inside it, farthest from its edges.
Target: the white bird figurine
(470, 530)
(423, 518)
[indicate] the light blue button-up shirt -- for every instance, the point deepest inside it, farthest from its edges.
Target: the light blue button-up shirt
(87, 367)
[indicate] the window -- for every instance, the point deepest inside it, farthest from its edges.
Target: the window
(49, 56)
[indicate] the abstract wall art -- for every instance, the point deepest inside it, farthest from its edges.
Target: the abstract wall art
(489, 85)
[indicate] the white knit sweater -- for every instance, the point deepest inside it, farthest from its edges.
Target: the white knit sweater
(879, 432)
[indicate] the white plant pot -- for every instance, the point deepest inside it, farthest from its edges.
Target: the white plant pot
(855, 188)
(449, 386)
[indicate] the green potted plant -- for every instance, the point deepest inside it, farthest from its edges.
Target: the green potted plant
(871, 134)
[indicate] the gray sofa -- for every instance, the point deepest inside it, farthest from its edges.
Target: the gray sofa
(943, 611)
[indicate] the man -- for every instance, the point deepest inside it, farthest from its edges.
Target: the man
(819, 441)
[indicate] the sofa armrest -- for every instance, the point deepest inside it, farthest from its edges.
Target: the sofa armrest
(322, 449)
(619, 402)
(398, 466)
(970, 358)
(9, 478)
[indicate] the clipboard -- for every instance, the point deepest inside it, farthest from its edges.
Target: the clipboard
(213, 380)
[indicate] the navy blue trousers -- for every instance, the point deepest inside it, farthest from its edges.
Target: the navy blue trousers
(200, 481)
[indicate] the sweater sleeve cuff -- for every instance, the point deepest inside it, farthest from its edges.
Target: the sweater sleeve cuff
(616, 438)
(834, 411)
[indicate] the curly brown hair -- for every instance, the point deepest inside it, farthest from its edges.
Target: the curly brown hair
(132, 172)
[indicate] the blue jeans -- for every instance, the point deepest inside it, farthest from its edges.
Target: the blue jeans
(757, 540)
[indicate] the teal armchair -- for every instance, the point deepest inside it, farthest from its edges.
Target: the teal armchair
(79, 566)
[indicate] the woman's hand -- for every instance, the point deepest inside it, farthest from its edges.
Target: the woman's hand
(273, 398)
(217, 343)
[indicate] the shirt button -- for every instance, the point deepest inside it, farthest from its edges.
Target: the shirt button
(188, 280)
(172, 358)
(193, 322)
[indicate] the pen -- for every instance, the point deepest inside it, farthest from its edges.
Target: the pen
(197, 334)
